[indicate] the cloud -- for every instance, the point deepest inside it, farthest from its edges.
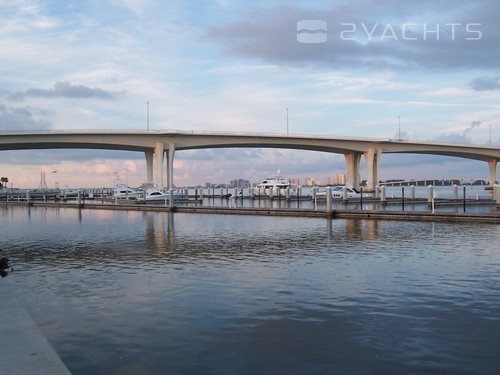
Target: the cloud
(388, 35)
(53, 156)
(463, 138)
(485, 83)
(430, 166)
(64, 90)
(21, 118)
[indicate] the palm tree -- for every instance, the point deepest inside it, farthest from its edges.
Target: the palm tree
(3, 182)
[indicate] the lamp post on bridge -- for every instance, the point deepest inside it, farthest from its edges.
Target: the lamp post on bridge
(399, 128)
(287, 120)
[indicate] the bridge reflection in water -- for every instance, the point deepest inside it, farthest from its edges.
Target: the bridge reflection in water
(160, 230)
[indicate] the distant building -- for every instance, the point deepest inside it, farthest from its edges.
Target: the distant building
(340, 179)
(310, 181)
(239, 183)
(210, 185)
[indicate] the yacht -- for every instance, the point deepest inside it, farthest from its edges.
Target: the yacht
(156, 195)
(338, 193)
(274, 186)
(124, 192)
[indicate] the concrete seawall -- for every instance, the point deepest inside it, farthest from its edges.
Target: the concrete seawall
(23, 348)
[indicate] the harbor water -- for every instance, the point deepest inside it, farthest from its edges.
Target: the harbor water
(127, 292)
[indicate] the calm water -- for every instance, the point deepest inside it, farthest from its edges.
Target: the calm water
(156, 293)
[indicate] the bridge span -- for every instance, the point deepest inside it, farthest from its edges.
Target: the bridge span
(439, 181)
(158, 145)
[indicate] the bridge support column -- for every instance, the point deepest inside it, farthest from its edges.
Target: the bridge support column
(149, 165)
(170, 166)
(372, 160)
(493, 171)
(352, 162)
(159, 164)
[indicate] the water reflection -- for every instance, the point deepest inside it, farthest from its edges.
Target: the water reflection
(160, 230)
(245, 237)
(108, 235)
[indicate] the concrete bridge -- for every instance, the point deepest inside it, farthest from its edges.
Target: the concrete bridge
(160, 145)
(439, 181)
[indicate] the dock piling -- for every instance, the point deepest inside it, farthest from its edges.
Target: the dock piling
(412, 192)
(402, 198)
(382, 194)
(328, 199)
(465, 198)
(430, 194)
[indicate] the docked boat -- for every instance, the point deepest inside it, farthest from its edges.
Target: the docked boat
(274, 186)
(124, 192)
(155, 195)
(70, 193)
(338, 193)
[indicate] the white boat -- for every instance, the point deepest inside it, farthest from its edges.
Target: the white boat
(338, 193)
(158, 196)
(124, 192)
(274, 186)
(70, 193)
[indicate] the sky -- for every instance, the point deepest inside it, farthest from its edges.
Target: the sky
(426, 70)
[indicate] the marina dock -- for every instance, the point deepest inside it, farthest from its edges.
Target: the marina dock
(464, 204)
(493, 217)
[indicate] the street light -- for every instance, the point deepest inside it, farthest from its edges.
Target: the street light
(399, 128)
(286, 120)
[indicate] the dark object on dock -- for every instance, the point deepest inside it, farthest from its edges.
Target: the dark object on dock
(4, 265)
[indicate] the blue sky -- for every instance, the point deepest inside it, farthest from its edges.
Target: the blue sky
(237, 66)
